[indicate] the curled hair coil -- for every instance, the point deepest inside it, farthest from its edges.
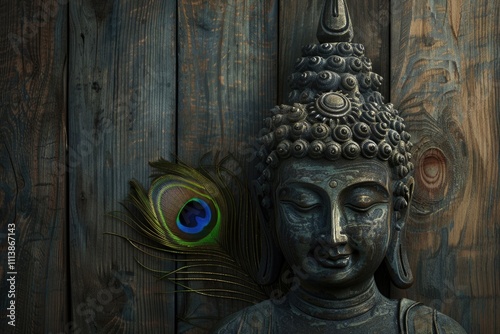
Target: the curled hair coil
(384, 150)
(304, 79)
(316, 149)
(282, 132)
(349, 82)
(397, 125)
(398, 159)
(379, 130)
(326, 49)
(367, 116)
(266, 139)
(284, 149)
(358, 49)
(301, 64)
(405, 136)
(297, 113)
(361, 131)
(342, 133)
(336, 64)
(376, 79)
(383, 116)
(333, 151)
(277, 120)
(306, 96)
(309, 49)
(320, 131)
(350, 150)
(369, 149)
(301, 129)
(355, 64)
(272, 159)
(315, 63)
(367, 65)
(300, 147)
(394, 137)
(345, 49)
(365, 82)
(327, 80)
(402, 171)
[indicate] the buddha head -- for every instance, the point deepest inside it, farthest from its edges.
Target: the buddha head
(335, 174)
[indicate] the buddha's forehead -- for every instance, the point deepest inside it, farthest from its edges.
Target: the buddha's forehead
(342, 173)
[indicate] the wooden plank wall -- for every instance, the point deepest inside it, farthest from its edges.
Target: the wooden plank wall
(122, 106)
(226, 82)
(153, 78)
(445, 77)
(33, 187)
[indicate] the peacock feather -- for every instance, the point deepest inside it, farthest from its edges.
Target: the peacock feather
(205, 217)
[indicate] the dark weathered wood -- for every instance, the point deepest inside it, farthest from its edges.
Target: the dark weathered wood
(227, 82)
(227, 73)
(122, 95)
(446, 81)
(33, 44)
(123, 112)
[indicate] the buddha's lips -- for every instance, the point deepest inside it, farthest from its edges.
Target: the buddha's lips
(338, 261)
(335, 257)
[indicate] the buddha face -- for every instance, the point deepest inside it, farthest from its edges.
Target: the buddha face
(333, 219)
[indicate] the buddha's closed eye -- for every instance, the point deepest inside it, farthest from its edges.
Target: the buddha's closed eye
(300, 199)
(364, 198)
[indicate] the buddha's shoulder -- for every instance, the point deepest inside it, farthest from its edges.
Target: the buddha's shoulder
(418, 318)
(253, 319)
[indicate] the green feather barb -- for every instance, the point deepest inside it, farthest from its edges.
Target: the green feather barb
(205, 216)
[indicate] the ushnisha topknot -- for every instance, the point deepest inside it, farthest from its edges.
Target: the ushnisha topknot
(336, 111)
(334, 67)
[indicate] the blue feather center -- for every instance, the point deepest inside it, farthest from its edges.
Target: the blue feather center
(194, 216)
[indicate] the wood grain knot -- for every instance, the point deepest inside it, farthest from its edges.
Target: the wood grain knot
(432, 173)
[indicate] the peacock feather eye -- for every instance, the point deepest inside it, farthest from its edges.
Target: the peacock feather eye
(188, 213)
(194, 216)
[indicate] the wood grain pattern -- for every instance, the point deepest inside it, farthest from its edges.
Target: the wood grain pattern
(121, 115)
(227, 77)
(33, 43)
(227, 82)
(147, 79)
(445, 80)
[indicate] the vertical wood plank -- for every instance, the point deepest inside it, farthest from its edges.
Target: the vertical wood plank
(227, 82)
(227, 77)
(446, 81)
(122, 97)
(33, 44)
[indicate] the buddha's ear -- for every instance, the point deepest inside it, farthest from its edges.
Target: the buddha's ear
(271, 259)
(396, 257)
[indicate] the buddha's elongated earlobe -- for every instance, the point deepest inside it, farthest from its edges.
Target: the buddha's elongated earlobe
(397, 262)
(271, 259)
(396, 257)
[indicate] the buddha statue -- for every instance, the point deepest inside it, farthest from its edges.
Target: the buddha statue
(335, 187)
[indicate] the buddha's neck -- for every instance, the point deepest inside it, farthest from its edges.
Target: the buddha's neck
(336, 309)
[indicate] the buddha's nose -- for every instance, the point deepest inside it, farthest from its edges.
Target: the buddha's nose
(337, 235)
